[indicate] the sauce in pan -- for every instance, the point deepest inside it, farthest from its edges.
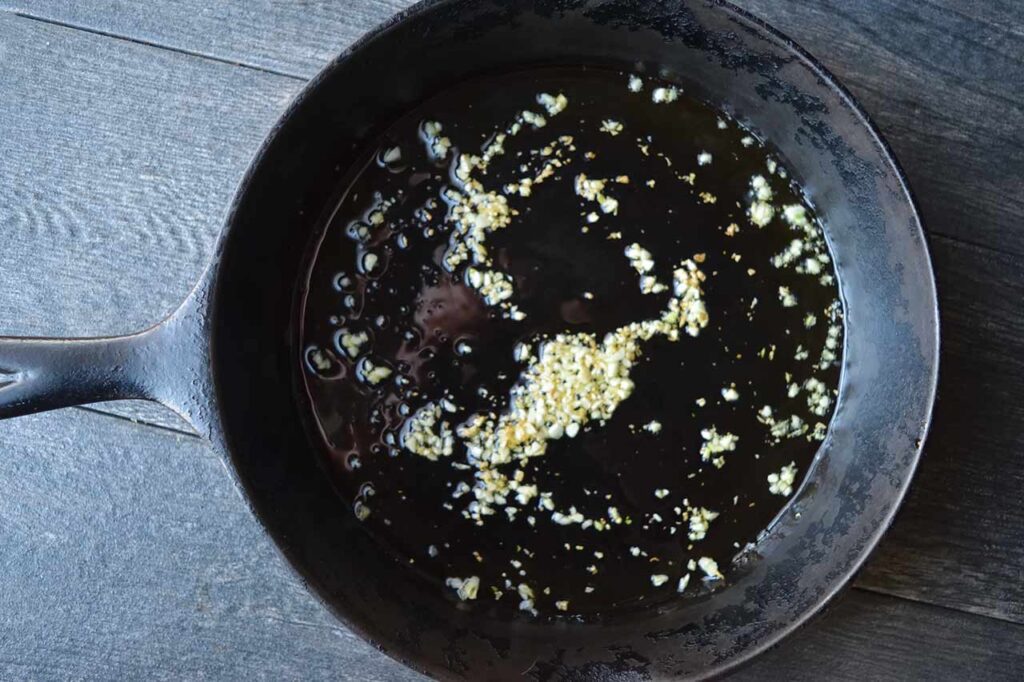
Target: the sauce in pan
(572, 339)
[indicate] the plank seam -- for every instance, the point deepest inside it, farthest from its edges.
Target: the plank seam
(972, 244)
(158, 46)
(139, 422)
(945, 607)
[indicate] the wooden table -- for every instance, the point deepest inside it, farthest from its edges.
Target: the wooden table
(125, 551)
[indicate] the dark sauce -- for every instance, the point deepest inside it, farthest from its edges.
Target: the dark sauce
(438, 339)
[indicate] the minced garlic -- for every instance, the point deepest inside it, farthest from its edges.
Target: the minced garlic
(437, 145)
(611, 126)
(665, 95)
(574, 379)
(372, 373)
(352, 342)
(761, 210)
(761, 213)
(640, 258)
(466, 588)
(653, 426)
(787, 427)
(572, 382)
(700, 521)
(787, 297)
(476, 212)
(495, 287)
(593, 190)
(716, 444)
(554, 104)
(818, 398)
(782, 482)
(426, 435)
(710, 568)
(534, 119)
(642, 261)
(526, 596)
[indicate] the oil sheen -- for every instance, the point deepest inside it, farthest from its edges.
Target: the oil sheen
(549, 210)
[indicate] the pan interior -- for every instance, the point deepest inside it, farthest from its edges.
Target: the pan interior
(623, 186)
(890, 345)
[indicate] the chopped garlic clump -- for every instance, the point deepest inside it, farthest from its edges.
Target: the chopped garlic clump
(465, 588)
(611, 126)
(761, 210)
(437, 145)
(352, 342)
(665, 95)
(573, 379)
(554, 104)
(715, 444)
(700, 521)
(710, 568)
(424, 434)
(787, 297)
(782, 482)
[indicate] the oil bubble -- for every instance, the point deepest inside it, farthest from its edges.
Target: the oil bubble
(344, 282)
(322, 362)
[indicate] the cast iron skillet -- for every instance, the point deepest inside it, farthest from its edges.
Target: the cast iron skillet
(226, 360)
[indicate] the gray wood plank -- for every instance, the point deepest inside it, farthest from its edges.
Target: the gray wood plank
(944, 79)
(127, 553)
(871, 637)
(959, 539)
(295, 38)
(117, 163)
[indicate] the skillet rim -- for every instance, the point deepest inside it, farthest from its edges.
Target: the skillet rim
(765, 31)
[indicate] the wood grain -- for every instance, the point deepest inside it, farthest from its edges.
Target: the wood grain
(871, 637)
(943, 79)
(127, 553)
(126, 550)
(295, 38)
(117, 163)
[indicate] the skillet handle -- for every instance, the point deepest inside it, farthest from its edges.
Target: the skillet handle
(167, 363)
(45, 374)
